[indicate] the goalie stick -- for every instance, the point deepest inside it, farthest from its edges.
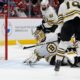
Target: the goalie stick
(27, 47)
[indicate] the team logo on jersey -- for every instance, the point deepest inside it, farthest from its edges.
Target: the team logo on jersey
(51, 47)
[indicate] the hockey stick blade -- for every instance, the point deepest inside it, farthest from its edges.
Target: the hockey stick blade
(20, 45)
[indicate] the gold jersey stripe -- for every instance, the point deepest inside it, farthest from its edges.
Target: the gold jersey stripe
(60, 22)
(60, 18)
(72, 13)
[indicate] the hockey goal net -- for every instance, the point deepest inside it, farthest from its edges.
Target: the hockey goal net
(3, 37)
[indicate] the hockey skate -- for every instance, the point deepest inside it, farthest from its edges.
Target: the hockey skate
(28, 63)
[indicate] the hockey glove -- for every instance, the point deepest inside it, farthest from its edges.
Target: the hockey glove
(40, 36)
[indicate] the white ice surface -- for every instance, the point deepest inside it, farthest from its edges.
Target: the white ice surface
(14, 69)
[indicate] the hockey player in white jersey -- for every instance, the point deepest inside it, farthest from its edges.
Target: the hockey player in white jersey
(68, 25)
(50, 18)
(45, 33)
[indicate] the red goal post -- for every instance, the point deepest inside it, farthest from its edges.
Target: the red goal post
(4, 36)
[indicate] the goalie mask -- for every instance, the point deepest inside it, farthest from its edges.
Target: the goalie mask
(39, 35)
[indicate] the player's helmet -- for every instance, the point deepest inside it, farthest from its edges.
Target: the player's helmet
(44, 4)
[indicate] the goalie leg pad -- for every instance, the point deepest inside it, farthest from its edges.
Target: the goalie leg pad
(31, 59)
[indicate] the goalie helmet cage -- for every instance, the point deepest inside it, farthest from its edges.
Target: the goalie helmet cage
(4, 36)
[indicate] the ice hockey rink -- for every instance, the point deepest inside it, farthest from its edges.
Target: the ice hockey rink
(14, 69)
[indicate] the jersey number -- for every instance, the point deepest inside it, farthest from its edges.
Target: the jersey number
(74, 3)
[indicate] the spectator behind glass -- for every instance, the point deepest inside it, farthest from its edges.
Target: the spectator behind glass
(31, 9)
(3, 3)
(36, 10)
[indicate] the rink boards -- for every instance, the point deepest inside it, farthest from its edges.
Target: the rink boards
(20, 29)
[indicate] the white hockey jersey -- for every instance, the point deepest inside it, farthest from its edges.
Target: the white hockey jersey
(69, 10)
(49, 16)
(48, 49)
